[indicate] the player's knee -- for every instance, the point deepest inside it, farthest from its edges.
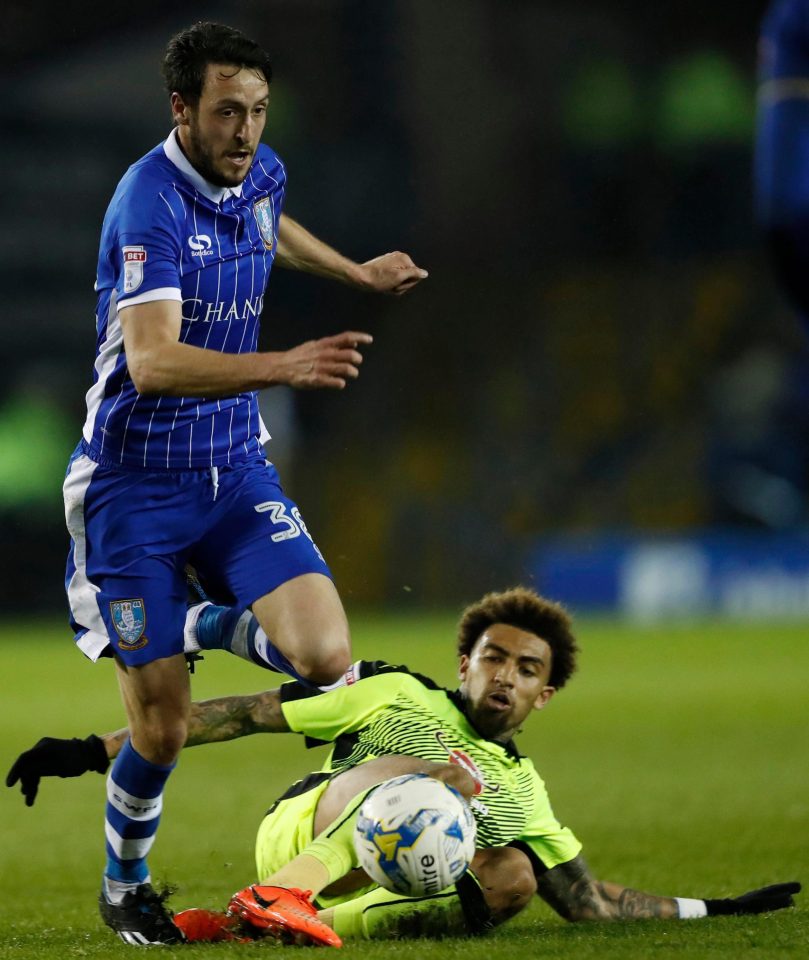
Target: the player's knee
(506, 879)
(324, 662)
(160, 741)
(305, 620)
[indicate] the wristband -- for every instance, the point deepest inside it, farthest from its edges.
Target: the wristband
(97, 758)
(689, 909)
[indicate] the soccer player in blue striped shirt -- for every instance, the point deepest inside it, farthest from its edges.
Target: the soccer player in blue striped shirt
(170, 469)
(782, 145)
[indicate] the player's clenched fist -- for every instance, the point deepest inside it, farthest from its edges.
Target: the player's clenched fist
(329, 362)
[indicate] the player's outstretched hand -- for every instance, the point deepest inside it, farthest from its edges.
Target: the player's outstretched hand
(51, 757)
(775, 897)
(329, 362)
(391, 273)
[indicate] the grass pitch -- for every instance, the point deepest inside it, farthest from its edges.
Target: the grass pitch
(679, 756)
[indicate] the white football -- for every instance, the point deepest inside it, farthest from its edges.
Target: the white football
(415, 835)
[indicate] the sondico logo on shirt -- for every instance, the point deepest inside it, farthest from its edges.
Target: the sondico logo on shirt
(200, 245)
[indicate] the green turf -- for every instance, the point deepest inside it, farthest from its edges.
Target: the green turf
(678, 756)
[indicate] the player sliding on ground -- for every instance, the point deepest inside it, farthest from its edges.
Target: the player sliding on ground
(516, 650)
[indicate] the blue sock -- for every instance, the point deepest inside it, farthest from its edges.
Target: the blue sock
(216, 625)
(134, 802)
(238, 632)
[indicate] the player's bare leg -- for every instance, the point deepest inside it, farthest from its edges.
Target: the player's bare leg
(157, 700)
(304, 618)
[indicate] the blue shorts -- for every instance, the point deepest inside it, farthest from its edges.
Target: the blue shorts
(134, 532)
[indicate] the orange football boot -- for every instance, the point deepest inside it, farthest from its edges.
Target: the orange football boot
(209, 926)
(285, 913)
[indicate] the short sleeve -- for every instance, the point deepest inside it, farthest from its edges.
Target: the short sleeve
(148, 249)
(545, 841)
(327, 715)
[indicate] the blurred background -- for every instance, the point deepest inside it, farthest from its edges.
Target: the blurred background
(599, 390)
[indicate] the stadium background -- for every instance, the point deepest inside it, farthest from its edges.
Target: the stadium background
(599, 376)
(599, 386)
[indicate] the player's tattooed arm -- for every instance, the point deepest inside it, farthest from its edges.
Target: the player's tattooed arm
(575, 894)
(227, 718)
(223, 718)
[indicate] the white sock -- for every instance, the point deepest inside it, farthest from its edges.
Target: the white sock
(190, 642)
(116, 890)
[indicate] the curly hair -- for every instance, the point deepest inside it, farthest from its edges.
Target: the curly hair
(521, 607)
(191, 50)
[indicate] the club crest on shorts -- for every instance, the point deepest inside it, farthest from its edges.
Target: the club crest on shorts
(262, 209)
(129, 620)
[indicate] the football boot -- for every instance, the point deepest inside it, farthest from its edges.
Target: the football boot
(141, 918)
(284, 913)
(210, 926)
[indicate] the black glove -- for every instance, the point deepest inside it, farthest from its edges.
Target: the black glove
(776, 897)
(56, 758)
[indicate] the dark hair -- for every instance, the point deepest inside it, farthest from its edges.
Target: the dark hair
(521, 607)
(191, 50)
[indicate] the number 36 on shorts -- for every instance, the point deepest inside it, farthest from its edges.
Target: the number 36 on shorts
(291, 524)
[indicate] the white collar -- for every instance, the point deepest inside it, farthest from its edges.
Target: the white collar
(174, 152)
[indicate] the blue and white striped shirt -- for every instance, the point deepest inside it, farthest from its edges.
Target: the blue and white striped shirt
(168, 234)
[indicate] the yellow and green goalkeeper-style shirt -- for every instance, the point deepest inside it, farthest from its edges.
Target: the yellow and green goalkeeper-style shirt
(381, 709)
